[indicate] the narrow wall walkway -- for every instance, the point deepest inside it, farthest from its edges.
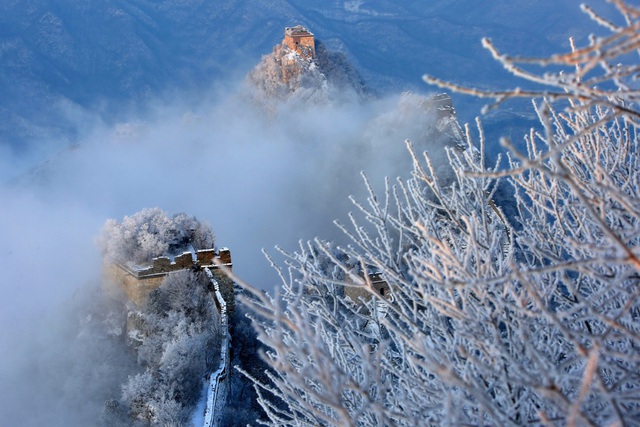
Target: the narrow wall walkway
(218, 389)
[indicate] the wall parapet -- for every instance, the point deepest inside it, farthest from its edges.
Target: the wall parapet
(209, 258)
(138, 283)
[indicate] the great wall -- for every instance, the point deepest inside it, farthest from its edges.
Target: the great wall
(138, 282)
(218, 384)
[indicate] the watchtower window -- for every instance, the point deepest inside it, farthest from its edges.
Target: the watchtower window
(300, 40)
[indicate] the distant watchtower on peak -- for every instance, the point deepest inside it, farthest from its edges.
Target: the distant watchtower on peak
(298, 39)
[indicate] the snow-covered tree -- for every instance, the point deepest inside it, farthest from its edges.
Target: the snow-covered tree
(151, 233)
(181, 344)
(488, 319)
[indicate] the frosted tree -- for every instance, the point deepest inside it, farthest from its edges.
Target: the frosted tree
(488, 319)
(151, 233)
(180, 326)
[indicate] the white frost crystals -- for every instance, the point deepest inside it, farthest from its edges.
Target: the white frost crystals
(530, 318)
(151, 233)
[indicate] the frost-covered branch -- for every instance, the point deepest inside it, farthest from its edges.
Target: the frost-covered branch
(598, 74)
(445, 310)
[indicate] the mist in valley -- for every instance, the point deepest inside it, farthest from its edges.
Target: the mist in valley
(259, 178)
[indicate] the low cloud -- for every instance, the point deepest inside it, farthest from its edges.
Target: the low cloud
(260, 179)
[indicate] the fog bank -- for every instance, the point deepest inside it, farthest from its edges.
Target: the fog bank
(259, 178)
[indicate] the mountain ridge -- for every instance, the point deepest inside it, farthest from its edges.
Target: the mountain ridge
(59, 60)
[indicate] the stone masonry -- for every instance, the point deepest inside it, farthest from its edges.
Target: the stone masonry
(137, 283)
(298, 39)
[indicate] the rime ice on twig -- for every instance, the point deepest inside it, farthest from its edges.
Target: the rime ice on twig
(598, 77)
(488, 317)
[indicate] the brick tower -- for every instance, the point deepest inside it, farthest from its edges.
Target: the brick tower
(300, 40)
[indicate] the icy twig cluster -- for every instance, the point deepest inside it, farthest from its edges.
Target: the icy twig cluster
(599, 74)
(490, 319)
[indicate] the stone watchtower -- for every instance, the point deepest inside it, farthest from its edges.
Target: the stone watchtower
(298, 39)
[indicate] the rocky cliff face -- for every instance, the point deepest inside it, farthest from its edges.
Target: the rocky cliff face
(286, 75)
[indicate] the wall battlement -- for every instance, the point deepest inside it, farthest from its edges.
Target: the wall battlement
(138, 283)
(198, 259)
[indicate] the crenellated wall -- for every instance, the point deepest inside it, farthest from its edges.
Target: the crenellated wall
(137, 284)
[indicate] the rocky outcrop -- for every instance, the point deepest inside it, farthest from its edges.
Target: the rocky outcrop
(285, 74)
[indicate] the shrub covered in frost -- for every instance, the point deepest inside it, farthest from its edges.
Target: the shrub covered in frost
(489, 320)
(180, 326)
(151, 233)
